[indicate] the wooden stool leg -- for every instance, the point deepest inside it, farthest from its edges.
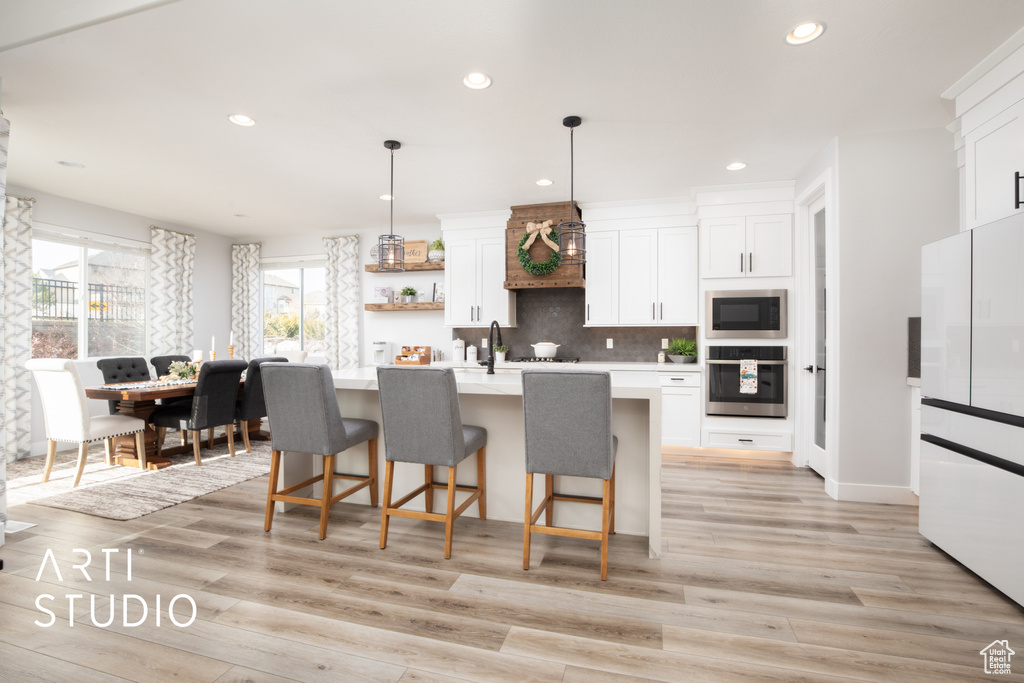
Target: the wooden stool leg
(549, 496)
(371, 448)
(184, 437)
(230, 431)
(389, 469)
(51, 455)
(611, 524)
(605, 523)
(328, 493)
(83, 453)
(108, 451)
(275, 466)
(209, 437)
(245, 437)
(449, 515)
(481, 481)
(526, 520)
(140, 447)
(195, 447)
(428, 495)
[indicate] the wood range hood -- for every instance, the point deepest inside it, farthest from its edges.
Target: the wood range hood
(515, 276)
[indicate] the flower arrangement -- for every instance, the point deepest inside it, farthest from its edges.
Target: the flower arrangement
(180, 369)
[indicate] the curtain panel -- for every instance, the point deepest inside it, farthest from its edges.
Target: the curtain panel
(245, 300)
(342, 319)
(172, 263)
(5, 135)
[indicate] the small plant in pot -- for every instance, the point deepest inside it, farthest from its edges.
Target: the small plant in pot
(436, 250)
(682, 350)
(408, 295)
(499, 353)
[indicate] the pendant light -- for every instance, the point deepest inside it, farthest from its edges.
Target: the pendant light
(391, 247)
(572, 240)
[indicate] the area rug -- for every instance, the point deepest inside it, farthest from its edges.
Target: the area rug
(123, 493)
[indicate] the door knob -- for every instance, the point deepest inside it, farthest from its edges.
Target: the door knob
(809, 368)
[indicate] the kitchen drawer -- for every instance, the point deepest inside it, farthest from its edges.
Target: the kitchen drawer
(758, 441)
(679, 379)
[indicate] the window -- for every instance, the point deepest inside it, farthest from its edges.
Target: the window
(293, 308)
(88, 297)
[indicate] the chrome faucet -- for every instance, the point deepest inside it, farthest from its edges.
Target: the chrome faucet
(490, 345)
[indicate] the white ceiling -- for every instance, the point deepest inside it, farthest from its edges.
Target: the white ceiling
(670, 91)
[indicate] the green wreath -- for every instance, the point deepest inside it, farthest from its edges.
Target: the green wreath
(544, 267)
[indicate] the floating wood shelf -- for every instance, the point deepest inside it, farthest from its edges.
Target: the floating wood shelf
(409, 267)
(418, 306)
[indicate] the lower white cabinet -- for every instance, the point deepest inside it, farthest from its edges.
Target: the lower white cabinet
(750, 440)
(680, 409)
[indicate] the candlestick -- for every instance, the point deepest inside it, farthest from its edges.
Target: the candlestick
(213, 355)
(231, 338)
(231, 351)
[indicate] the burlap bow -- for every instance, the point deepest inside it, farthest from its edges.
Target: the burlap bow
(542, 229)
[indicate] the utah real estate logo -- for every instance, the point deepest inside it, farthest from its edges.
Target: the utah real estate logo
(997, 656)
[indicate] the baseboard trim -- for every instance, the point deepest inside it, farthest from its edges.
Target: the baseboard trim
(871, 493)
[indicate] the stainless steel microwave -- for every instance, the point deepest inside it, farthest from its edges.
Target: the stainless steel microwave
(746, 314)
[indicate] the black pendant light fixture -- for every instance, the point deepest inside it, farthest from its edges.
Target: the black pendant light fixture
(572, 240)
(391, 247)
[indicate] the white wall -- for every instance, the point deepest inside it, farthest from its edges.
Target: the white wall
(895, 192)
(212, 299)
(401, 328)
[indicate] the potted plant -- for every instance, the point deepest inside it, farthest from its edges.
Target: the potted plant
(436, 250)
(682, 350)
(499, 353)
(408, 295)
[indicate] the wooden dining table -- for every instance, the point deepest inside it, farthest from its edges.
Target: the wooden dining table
(139, 399)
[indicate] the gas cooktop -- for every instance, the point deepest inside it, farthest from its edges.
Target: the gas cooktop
(534, 359)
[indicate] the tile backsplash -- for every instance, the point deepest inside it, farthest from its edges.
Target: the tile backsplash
(557, 315)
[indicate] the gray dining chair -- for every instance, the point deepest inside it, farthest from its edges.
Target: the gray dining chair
(302, 407)
(212, 405)
(568, 423)
(423, 425)
(122, 370)
(252, 405)
(162, 364)
(66, 413)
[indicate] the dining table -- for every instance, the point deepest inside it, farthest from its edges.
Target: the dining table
(139, 399)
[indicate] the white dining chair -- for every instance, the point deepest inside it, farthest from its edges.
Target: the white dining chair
(294, 355)
(66, 413)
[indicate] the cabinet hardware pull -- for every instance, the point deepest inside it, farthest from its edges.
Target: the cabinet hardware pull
(745, 440)
(661, 311)
(750, 262)
(741, 262)
(1016, 190)
(678, 379)
(478, 318)
(588, 311)
(653, 316)
(471, 318)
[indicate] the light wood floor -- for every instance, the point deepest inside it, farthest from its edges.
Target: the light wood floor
(764, 577)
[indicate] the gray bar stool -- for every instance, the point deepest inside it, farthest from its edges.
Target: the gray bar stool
(304, 418)
(422, 424)
(568, 418)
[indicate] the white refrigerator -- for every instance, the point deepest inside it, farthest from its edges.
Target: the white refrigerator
(972, 414)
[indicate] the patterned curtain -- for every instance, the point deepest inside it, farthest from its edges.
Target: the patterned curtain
(170, 292)
(343, 301)
(5, 134)
(245, 300)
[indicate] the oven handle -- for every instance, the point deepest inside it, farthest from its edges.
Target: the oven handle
(736, 362)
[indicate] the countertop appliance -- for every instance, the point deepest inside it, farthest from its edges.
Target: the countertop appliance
(724, 396)
(972, 414)
(745, 314)
(382, 353)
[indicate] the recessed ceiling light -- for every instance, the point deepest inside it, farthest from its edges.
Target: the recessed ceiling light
(70, 164)
(477, 81)
(241, 120)
(735, 166)
(804, 33)
(386, 197)
(544, 182)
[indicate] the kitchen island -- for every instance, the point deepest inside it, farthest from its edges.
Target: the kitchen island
(495, 402)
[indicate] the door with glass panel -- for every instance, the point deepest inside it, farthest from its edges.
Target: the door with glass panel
(817, 448)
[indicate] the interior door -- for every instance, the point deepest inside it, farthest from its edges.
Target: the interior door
(818, 317)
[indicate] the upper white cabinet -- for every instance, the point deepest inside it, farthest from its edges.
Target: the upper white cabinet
(994, 153)
(751, 246)
(474, 279)
(642, 277)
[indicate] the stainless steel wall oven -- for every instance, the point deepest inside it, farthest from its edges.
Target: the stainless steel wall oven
(724, 395)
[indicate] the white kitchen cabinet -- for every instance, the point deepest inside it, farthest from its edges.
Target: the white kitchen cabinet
(602, 292)
(680, 409)
(994, 153)
(642, 277)
(474, 283)
(752, 246)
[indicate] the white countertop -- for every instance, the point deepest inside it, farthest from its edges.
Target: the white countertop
(586, 364)
(629, 382)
